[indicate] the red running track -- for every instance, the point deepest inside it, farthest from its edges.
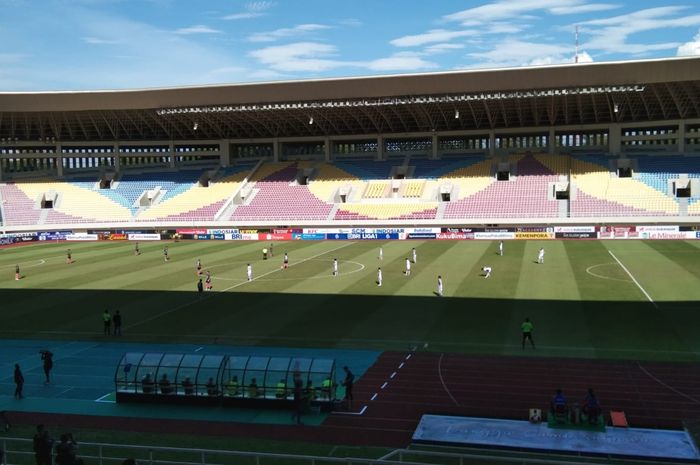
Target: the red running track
(653, 394)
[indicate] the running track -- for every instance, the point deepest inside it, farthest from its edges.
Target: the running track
(653, 394)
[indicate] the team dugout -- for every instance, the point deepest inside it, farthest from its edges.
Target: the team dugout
(249, 381)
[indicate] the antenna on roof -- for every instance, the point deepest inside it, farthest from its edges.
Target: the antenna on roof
(576, 53)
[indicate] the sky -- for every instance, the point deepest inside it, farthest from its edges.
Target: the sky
(122, 44)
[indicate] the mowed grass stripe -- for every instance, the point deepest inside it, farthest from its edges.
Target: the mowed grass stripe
(663, 278)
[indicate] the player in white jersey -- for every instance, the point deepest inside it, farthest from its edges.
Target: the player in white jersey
(335, 267)
(381, 253)
(249, 271)
(379, 277)
(439, 286)
(415, 255)
(540, 256)
(487, 271)
(408, 267)
(500, 248)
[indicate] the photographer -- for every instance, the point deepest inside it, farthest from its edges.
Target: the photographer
(67, 451)
(42, 444)
(47, 358)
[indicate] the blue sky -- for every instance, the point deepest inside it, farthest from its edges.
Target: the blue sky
(117, 44)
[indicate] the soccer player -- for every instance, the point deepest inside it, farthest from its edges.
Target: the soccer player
(264, 253)
(439, 286)
(165, 253)
(415, 256)
(136, 249)
(69, 257)
(408, 267)
(379, 277)
(199, 267)
(335, 267)
(200, 286)
(540, 256)
(500, 248)
(381, 253)
(487, 271)
(285, 261)
(271, 254)
(17, 275)
(527, 328)
(207, 282)
(249, 271)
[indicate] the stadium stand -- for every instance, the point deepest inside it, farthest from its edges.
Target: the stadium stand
(399, 211)
(277, 197)
(525, 196)
(599, 192)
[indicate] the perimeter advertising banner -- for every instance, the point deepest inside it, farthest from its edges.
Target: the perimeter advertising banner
(54, 235)
(491, 235)
(275, 236)
(362, 236)
(144, 237)
(576, 235)
(574, 229)
(191, 232)
(85, 237)
(454, 236)
(534, 235)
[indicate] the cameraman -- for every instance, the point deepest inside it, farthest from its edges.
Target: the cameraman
(47, 358)
(43, 444)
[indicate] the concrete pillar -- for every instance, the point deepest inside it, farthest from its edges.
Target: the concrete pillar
(615, 139)
(492, 143)
(380, 147)
(117, 160)
(275, 150)
(327, 149)
(551, 141)
(224, 153)
(59, 160)
(681, 137)
(171, 149)
(434, 145)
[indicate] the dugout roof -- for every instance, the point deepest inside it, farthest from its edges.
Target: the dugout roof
(572, 94)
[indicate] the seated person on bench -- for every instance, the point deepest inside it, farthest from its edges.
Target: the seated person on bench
(591, 407)
(253, 390)
(559, 406)
(148, 385)
(165, 386)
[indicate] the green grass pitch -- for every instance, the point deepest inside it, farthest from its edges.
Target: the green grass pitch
(582, 301)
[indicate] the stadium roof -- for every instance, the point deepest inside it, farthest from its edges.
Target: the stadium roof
(572, 94)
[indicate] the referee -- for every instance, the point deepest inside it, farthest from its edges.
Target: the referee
(527, 328)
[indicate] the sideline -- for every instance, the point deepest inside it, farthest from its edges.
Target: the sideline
(633, 279)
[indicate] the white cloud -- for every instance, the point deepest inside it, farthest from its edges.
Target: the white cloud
(578, 9)
(400, 63)
(100, 41)
(432, 36)
(251, 10)
(299, 56)
(611, 35)
(522, 9)
(301, 29)
(442, 48)
(513, 52)
(690, 48)
(197, 29)
(317, 57)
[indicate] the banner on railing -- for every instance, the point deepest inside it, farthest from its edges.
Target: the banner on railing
(494, 235)
(144, 237)
(534, 235)
(84, 237)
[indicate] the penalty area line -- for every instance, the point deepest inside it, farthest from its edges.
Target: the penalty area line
(633, 279)
(102, 399)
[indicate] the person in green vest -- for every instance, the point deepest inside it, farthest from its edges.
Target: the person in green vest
(527, 328)
(326, 387)
(107, 319)
(281, 392)
(232, 387)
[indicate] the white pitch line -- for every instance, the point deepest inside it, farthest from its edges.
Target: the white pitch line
(209, 296)
(198, 349)
(633, 279)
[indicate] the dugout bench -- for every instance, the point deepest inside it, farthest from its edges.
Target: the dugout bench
(229, 380)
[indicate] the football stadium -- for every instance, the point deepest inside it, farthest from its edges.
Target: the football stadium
(482, 266)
